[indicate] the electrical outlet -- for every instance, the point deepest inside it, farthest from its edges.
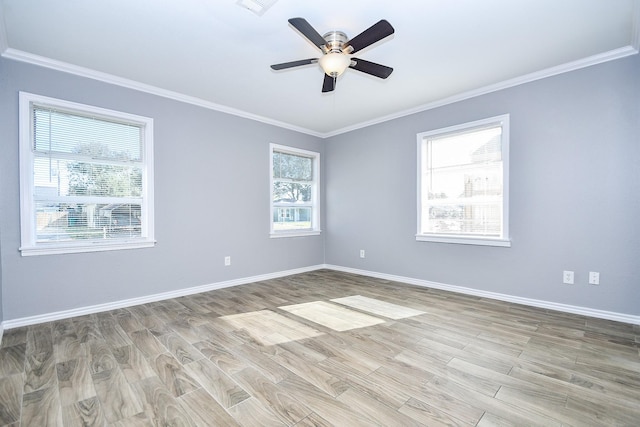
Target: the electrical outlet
(361, 253)
(594, 278)
(567, 277)
(227, 261)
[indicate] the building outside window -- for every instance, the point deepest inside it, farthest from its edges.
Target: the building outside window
(295, 206)
(86, 177)
(463, 183)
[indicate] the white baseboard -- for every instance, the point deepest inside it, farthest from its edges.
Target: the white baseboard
(584, 311)
(65, 314)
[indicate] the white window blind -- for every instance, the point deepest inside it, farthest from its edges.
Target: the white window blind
(294, 191)
(463, 172)
(85, 176)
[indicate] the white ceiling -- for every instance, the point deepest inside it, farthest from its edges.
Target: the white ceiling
(217, 54)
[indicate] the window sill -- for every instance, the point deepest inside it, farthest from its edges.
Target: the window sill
(464, 240)
(300, 233)
(94, 247)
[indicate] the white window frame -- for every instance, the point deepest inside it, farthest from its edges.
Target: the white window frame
(504, 239)
(314, 204)
(29, 246)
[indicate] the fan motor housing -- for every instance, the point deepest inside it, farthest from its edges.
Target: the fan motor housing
(336, 41)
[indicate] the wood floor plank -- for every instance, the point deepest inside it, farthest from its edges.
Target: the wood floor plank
(100, 357)
(138, 420)
(181, 350)
(314, 420)
(326, 382)
(378, 307)
(116, 396)
(74, 381)
(267, 366)
(465, 360)
(377, 412)
(204, 410)
(10, 398)
(173, 375)
(14, 336)
(39, 371)
(84, 413)
(160, 406)
(275, 398)
(12, 359)
(226, 391)
(39, 339)
(431, 415)
(112, 333)
(87, 328)
(42, 408)
(332, 316)
(224, 359)
(147, 343)
(251, 413)
(132, 363)
(66, 343)
(330, 409)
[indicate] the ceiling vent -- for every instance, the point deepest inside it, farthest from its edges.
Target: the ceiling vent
(259, 7)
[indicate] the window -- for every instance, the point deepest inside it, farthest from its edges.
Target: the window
(295, 199)
(463, 183)
(86, 178)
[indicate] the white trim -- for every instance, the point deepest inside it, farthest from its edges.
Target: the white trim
(42, 61)
(314, 204)
(81, 248)
(611, 55)
(1, 331)
(301, 233)
(65, 314)
(29, 246)
(4, 43)
(53, 64)
(584, 311)
(635, 26)
(480, 241)
(504, 239)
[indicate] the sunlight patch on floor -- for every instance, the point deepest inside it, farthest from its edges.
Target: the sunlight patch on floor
(378, 307)
(332, 316)
(270, 328)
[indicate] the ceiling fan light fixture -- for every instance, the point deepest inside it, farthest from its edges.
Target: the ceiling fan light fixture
(334, 63)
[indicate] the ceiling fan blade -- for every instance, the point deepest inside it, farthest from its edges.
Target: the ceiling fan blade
(292, 64)
(374, 33)
(308, 31)
(372, 68)
(329, 83)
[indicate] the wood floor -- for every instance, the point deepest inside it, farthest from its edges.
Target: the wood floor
(322, 349)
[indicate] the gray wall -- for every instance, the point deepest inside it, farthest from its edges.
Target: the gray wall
(574, 199)
(575, 204)
(211, 200)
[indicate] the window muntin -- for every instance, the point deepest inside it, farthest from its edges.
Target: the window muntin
(86, 178)
(463, 183)
(294, 191)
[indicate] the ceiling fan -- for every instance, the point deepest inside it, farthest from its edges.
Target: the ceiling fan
(336, 48)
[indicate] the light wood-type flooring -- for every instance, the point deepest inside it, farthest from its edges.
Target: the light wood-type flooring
(322, 349)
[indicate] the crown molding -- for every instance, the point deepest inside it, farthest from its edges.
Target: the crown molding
(527, 78)
(18, 55)
(611, 55)
(4, 43)
(635, 26)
